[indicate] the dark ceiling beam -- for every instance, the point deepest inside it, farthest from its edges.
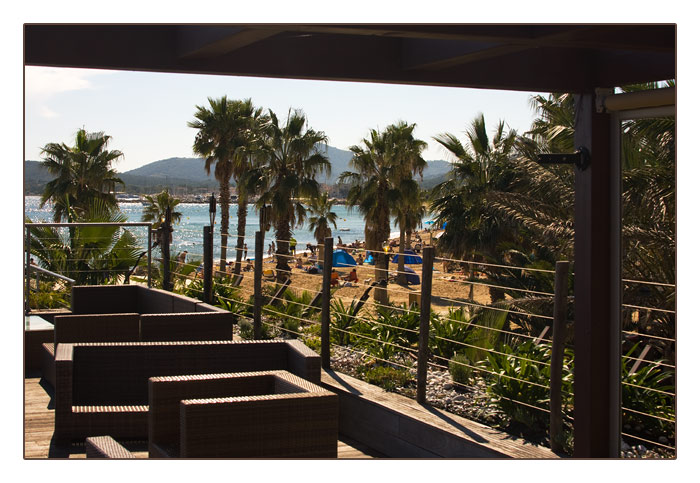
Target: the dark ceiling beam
(608, 36)
(288, 52)
(209, 41)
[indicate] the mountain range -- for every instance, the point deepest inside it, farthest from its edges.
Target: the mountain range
(189, 173)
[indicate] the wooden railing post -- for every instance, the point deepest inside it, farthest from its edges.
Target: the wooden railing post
(257, 284)
(208, 260)
(326, 304)
(561, 292)
(424, 330)
(165, 248)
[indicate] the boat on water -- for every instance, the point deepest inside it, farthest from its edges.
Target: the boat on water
(127, 198)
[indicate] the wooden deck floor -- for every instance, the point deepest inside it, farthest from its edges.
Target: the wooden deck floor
(39, 421)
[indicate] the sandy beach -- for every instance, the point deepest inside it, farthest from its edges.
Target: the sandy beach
(446, 293)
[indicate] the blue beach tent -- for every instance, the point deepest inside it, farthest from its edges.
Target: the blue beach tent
(409, 258)
(412, 277)
(341, 258)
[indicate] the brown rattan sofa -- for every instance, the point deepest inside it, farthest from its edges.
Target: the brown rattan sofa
(132, 313)
(266, 414)
(102, 388)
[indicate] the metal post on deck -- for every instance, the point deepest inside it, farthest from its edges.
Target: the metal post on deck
(208, 260)
(148, 243)
(257, 285)
(424, 328)
(561, 292)
(596, 287)
(326, 304)
(26, 270)
(165, 248)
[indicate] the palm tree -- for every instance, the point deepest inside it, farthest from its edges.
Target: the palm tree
(155, 208)
(228, 137)
(287, 176)
(460, 201)
(90, 255)
(383, 162)
(321, 219)
(83, 174)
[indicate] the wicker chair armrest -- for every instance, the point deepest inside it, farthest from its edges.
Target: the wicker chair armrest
(303, 361)
(105, 447)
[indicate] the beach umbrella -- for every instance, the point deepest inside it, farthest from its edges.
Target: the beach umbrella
(341, 258)
(409, 258)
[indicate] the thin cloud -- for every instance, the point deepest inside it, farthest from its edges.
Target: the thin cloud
(47, 113)
(42, 83)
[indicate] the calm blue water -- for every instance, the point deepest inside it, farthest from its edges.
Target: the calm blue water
(187, 235)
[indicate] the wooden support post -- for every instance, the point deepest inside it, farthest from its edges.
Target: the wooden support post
(208, 260)
(257, 284)
(561, 292)
(597, 286)
(165, 249)
(326, 304)
(424, 330)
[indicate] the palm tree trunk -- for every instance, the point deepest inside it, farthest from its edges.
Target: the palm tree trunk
(283, 234)
(225, 198)
(401, 278)
(242, 214)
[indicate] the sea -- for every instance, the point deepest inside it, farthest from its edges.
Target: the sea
(188, 233)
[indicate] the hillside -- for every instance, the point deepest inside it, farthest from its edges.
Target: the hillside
(189, 174)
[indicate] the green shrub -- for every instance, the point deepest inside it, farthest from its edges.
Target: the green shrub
(314, 343)
(459, 372)
(247, 331)
(388, 378)
(641, 393)
(520, 380)
(341, 321)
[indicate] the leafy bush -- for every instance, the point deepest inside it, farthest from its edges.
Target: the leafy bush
(48, 298)
(459, 372)
(386, 377)
(247, 331)
(341, 321)
(289, 312)
(641, 393)
(520, 380)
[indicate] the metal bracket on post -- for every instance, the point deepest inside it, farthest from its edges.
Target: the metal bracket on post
(581, 158)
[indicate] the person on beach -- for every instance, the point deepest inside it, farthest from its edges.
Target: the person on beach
(334, 278)
(340, 241)
(352, 277)
(249, 266)
(293, 246)
(245, 250)
(182, 258)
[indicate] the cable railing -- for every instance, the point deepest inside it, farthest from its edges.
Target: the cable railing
(386, 327)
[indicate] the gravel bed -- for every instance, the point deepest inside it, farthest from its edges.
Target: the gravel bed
(469, 402)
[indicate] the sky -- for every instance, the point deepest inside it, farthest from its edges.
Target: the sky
(146, 114)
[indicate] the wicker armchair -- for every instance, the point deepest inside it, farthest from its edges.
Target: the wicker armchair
(270, 414)
(102, 388)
